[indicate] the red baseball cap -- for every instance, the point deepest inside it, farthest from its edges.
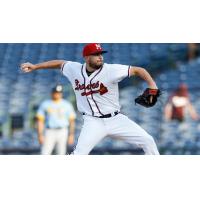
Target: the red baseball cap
(92, 48)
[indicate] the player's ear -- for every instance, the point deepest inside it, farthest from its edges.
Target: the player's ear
(86, 58)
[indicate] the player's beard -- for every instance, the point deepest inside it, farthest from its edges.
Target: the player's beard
(95, 66)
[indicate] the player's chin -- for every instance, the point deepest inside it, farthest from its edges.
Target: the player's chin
(99, 65)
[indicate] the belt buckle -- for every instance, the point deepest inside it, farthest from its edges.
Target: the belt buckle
(113, 114)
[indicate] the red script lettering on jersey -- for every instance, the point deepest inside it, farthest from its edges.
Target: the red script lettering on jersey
(102, 89)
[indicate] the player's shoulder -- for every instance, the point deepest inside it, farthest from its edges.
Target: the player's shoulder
(45, 103)
(70, 67)
(48, 102)
(66, 102)
(113, 65)
(107, 65)
(72, 64)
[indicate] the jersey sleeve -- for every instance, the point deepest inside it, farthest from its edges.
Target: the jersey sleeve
(119, 72)
(41, 112)
(68, 68)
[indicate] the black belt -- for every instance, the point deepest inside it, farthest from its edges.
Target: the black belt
(55, 128)
(107, 115)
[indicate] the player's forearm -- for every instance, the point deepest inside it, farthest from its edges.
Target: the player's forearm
(53, 64)
(72, 128)
(142, 73)
(168, 111)
(71, 132)
(40, 128)
(192, 111)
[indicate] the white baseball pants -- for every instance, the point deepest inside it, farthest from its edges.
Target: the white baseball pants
(55, 138)
(120, 126)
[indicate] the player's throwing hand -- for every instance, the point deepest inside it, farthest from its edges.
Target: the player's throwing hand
(27, 67)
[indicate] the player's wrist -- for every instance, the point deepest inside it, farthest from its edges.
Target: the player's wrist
(153, 86)
(36, 66)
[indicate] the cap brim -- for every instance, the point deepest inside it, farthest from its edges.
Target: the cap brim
(99, 52)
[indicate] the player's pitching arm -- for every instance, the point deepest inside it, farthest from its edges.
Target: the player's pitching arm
(142, 73)
(53, 64)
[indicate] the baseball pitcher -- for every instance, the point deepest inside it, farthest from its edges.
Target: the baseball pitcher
(95, 84)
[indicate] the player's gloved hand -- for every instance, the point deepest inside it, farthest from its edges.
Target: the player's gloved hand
(148, 98)
(27, 67)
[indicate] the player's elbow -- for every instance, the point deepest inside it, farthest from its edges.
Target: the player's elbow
(142, 71)
(137, 71)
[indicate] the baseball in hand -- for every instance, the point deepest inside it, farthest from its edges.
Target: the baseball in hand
(25, 67)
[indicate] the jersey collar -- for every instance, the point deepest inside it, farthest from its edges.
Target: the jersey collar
(92, 75)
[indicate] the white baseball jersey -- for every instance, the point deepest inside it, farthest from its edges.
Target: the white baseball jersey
(97, 94)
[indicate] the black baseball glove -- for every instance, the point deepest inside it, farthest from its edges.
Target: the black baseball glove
(148, 98)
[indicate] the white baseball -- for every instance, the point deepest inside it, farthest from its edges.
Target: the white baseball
(24, 69)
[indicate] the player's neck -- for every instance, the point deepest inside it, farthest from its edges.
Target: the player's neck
(56, 100)
(90, 69)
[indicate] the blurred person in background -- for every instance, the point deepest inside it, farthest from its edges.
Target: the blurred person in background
(193, 51)
(178, 105)
(54, 116)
